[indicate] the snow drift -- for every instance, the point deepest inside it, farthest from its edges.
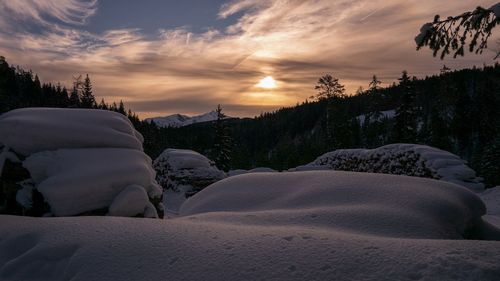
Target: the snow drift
(322, 225)
(385, 205)
(400, 159)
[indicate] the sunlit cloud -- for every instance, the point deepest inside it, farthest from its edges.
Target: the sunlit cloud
(177, 70)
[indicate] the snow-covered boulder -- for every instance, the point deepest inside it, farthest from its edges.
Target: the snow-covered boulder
(30, 130)
(74, 161)
(74, 181)
(400, 159)
(182, 173)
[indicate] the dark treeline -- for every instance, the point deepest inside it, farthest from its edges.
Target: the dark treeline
(457, 111)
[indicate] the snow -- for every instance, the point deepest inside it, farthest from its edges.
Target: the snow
(319, 225)
(491, 198)
(496, 9)
(182, 173)
(179, 120)
(254, 170)
(387, 114)
(401, 159)
(132, 201)
(424, 31)
(30, 130)
(5, 155)
(80, 160)
(74, 181)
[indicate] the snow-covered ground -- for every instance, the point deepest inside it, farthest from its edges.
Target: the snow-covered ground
(400, 159)
(318, 225)
(179, 120)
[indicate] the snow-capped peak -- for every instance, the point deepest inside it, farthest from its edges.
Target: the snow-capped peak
(179, 120)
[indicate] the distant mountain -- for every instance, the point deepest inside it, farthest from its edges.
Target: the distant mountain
(179, 120)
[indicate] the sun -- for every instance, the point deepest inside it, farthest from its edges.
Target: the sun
(267, 83)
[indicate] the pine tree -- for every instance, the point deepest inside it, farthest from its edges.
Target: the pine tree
(490, 163)
(405, 127)
(102, 105)
(222, 142)
(330, 89)
(121, 108)
(87, 99)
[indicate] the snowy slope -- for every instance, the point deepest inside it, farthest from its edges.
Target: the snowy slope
(179, 120)
(329, 226)
(400, 159)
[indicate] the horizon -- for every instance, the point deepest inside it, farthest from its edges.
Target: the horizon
(163, 58)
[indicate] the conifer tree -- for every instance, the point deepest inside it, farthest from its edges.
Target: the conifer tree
(121, 108)
(87, 99)
(74, 96)
(222, 142)
(405, 127)
(330, 89)
(469, 30)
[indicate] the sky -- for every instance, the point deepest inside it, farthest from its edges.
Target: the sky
(186, 56)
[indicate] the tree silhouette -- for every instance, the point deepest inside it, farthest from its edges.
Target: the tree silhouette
(453, 33)
(222, 142)
(87, 99)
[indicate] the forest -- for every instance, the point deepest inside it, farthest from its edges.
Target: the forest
(456, 111)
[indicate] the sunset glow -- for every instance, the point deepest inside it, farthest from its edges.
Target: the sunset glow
(161, 57)
(267, 83)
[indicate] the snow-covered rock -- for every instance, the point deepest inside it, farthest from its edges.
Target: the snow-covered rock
(269, 226)
(75, 181)
(78, 160)
(401, 159)
(183, 173)
(30, 130)
(179, 120)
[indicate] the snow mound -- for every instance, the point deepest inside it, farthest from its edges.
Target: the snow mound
(75, 181)
(281, 226)
(401, 159)
(386, 205)
(31, 130)
(132, 201)
(182, 173)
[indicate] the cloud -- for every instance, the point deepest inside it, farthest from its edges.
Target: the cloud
(179, 71)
